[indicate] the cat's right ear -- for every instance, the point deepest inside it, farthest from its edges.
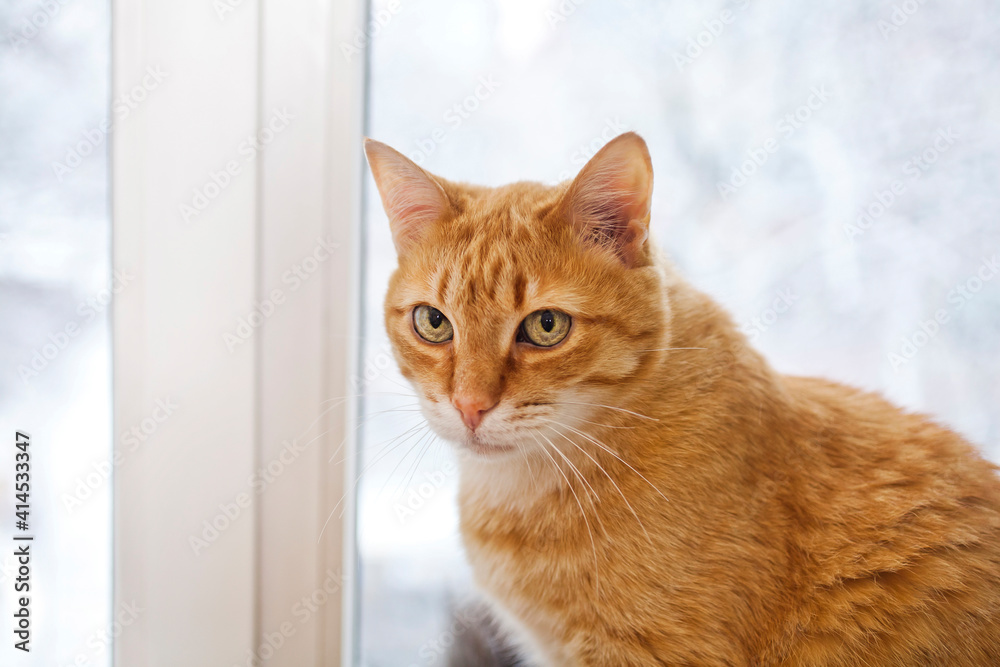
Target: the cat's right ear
(608, 202)
(412, 198)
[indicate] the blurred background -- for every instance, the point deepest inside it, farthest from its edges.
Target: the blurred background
(829, 171)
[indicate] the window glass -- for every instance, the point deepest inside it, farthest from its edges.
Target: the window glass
(56, 284)
(826, 171)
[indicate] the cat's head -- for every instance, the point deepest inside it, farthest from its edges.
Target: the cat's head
(516, 309)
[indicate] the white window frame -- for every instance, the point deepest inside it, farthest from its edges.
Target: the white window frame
(225, 72)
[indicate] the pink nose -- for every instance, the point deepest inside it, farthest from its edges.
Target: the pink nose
(473, 408)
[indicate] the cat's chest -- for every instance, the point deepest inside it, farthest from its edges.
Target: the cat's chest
(531, 578)
(540, 565)
(549, 549)
(519, 560)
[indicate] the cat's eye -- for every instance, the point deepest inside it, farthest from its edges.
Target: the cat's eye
(545, 328)
(432, 325)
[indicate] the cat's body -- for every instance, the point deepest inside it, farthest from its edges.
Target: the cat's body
(805, 524)
(648, 491)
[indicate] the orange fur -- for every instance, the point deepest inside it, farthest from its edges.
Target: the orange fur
(650, 491)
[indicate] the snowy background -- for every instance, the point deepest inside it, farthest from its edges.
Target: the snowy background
(838, 159)
(54, 278)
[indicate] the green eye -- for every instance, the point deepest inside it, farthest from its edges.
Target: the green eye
(432, 325)
(545, 328)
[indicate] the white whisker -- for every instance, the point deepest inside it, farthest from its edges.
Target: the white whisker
(587, 421)
(421, 452)
(609, 451)
(527, 463)
(609, 407)
(574, 469)
(364, 421)
(610, 479)
(593, 544)
(418, 443)
(382, 454)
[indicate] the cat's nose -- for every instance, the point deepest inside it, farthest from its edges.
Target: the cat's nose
(473, 407)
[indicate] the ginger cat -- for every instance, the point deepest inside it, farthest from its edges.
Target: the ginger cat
(642, 488)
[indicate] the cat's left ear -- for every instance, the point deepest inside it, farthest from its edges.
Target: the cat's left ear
(609, 201)
(412, 198)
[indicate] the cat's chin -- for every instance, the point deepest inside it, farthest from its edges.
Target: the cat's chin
(481, 448)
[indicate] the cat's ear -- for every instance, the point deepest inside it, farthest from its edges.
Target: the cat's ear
(608, 202)
(412, 198)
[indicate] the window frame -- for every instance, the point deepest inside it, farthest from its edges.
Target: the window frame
(228, 66)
